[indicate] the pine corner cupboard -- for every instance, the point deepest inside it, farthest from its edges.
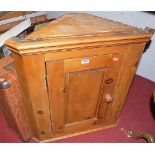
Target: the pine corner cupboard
(75, 72)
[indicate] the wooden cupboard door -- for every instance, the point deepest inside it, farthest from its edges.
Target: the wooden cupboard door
(82, 94)
(74, 97)
(77, 91)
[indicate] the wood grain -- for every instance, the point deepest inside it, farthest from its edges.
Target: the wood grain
(125, 79)
(76, 77)
(74, 29)
(13, 14)
(31, 74)
(56, 89)
(84, 91)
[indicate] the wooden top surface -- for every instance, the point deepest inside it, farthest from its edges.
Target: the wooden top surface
(80, 24)
(77, 29)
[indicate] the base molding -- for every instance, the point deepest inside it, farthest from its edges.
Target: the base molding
(75, 134)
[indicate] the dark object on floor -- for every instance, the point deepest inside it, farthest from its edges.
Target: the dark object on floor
(10, 99)
(152, 104)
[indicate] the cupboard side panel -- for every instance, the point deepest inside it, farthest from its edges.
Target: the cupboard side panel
(125, 79)
(24, 92)
(31, 73)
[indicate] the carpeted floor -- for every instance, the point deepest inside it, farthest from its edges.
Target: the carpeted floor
(135, 115)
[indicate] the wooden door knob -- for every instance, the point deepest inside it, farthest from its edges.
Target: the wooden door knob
(63, 90)
(108, 98)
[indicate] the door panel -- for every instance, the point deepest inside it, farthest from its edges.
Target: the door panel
(83, 94)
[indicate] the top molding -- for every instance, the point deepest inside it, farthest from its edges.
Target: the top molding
(78, 29)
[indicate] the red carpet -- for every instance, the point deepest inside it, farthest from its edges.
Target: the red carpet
(135, 115)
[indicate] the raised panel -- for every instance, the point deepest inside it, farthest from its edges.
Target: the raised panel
(83, 94)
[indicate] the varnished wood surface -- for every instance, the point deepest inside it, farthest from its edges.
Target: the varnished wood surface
(59, 137)
(11, 14)
(78, 24)
(52, 45)
(86, 52)
(125, 79)
(56, 90)
(76, 29)
(112, 73)
(31, 74)
(72, 65)
(77, 84)
(83, 94)
(66, 94)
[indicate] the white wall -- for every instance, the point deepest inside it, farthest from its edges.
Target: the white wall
(146, 67)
